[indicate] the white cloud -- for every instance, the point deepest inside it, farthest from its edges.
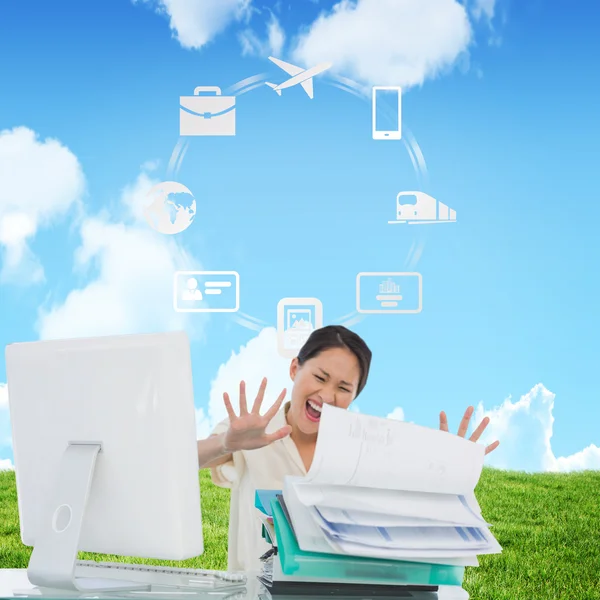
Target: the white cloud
(276, 35)
(257, 359)
(272, 45)
(525, 430)
(483, 8)
(131, 291)
(41, 181)
(134, 196)
(204, 425)
(3, 396)
(6, 464)
(387, 42)
(150, 165)
(196, 22)
(397, 414)
(5, 430)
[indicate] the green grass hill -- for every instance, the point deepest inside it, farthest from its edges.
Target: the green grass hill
(548, 525)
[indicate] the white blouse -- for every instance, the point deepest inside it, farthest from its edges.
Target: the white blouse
(248, 471)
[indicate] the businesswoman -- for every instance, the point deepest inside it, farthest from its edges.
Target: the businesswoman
(250, 451)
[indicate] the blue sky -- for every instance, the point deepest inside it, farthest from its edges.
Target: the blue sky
(499, 98)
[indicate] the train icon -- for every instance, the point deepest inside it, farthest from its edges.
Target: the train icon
(420, 208)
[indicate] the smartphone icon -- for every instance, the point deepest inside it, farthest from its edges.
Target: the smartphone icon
(387, 112)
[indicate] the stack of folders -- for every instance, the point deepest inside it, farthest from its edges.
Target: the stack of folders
(387, 507)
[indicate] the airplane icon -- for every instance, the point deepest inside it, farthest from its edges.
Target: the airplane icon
(299, 76)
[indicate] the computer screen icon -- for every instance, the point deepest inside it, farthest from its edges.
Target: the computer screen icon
(389, 292)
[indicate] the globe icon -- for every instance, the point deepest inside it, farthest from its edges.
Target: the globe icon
(172, 208)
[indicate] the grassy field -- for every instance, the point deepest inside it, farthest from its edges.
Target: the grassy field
(547, 524)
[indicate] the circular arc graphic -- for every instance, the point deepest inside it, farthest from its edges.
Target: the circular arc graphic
(353, 88)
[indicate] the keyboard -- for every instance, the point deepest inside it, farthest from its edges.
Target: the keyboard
(158, 575)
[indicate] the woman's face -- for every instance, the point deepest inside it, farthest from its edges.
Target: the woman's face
(331, 377)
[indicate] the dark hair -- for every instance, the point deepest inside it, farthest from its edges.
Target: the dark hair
(337, 336)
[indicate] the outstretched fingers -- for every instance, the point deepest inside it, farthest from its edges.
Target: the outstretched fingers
(443, 421)
(273, 410)
(279, 434)
(464, 424)
(230, 411)
(492, 447)
(243, 405)
(259, 396)
(477, 433)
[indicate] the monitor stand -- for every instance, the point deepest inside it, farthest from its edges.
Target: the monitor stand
(53, 560)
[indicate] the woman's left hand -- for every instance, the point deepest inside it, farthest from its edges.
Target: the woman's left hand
(464, 425)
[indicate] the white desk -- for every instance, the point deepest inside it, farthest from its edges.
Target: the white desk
(11, 579)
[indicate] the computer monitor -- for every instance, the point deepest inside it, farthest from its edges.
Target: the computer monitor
(105, 452)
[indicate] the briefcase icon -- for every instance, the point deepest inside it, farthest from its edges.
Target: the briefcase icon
(207, 114)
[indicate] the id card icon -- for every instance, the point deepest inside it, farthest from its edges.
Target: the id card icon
(297, 318)
(389, 293)
(206, 291)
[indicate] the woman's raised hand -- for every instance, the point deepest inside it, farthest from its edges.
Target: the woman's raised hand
(247, 431)
(464, 426)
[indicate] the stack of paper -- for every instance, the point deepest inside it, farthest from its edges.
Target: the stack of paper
(385, 505)
(287, 569)
(388, 489)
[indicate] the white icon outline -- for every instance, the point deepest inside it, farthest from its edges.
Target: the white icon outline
(399, 134)
(202, 115)
(383, 134)
(389, 274)
(205, 310)
(155, 211)
(427, 210)
(301, 76)
(281, 305)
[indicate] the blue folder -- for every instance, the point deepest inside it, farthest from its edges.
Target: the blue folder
(263, 499)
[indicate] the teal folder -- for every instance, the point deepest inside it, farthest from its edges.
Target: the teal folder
(262, 500)
(300, 563)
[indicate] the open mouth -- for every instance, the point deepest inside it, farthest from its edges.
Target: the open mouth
(313, 411)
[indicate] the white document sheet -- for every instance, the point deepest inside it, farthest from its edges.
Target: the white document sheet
(374, 452)
(394, 503)
(373, 519)
(399, 554)
(406, 537)
(382, 473)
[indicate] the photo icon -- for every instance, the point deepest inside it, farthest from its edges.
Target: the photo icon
(297, 318)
